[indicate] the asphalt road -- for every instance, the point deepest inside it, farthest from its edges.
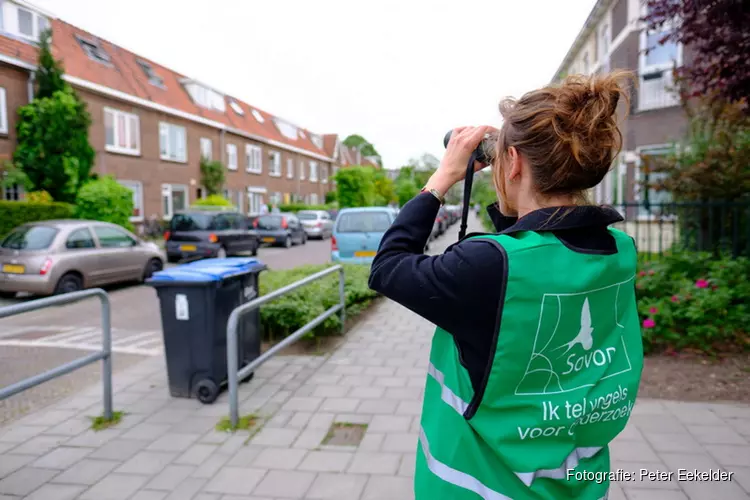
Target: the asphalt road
(34, 342)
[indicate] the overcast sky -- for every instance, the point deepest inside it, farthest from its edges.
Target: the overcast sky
(399, 72)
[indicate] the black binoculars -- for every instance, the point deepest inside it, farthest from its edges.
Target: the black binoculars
(485, 152)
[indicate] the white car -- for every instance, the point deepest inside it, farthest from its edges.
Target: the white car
(316, 223)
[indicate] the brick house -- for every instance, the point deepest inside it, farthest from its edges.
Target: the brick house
(613, 38)
(152, 125)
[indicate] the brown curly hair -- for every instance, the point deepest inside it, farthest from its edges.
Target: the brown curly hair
(568, 132)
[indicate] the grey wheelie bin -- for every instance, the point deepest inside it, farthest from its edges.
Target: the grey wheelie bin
(196, 300)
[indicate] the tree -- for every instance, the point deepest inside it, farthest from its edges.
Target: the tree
(718, 34)
(49, 75)
(363, 187)
(385, 191)
(364, 146)
(106, 200)
(212, 176)
(53, 152)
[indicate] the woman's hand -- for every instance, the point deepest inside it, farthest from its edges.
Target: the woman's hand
(463, 142)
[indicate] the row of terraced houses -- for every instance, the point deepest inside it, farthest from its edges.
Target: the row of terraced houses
(151, 125)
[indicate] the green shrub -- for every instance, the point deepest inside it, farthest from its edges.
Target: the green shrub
(15, 213)
(297, 207)
(215, 200)
(692, 300)
(105, 200)
(42, 197)
(292, 311)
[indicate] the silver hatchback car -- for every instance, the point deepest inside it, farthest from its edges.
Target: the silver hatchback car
(317, 223)
(61, 256)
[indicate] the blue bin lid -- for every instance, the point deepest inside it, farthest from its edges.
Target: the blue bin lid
(184, 274)
(243, 264)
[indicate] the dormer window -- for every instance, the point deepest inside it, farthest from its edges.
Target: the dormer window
(22, 22)
(153, 78)
(206, 97)
(236, 107)
(287, 129)
(302, 134)
(94, 50)
(317, 140)
(258, 116)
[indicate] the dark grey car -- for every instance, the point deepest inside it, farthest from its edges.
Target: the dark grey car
(280, 229)
(199, 234)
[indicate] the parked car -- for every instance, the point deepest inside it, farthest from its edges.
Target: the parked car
(199, 234)
(62, 256)
(280, 229)
(357, 233)
(316, 223)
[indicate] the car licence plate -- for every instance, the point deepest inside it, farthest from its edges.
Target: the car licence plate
(269, 240)
(367, 253)
(188, 248)
(13, 269)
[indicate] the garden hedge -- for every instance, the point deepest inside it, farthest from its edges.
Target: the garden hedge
(297, 207)
(285, 315)
(15, 213)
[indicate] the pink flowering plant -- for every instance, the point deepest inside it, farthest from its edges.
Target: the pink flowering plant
(695, 301)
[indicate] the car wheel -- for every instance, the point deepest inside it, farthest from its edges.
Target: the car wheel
(288, 242)
(254, 251)
(221, 253)
(7, 295)
(153, 266)
(172, 259)
(69, 283)
(304, 239)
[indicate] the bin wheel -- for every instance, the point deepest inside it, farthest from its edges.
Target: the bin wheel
(207, 391)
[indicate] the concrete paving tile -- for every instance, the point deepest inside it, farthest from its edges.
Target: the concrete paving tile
(367, 462)
(285, 484)
(647, 494)
(86, 472)
(326, 461)
(170, 477)
(310, 439)
(388, 488)
(211, 466)
(400, 442)
(741, 475)
(149, 495)
(25, 480)
(20, 433)
(235, 481)
(701, 489)
(11, 463)
(339, 405)
(61, 458)
(302, 404)
(56, 492)
(187, 489)
(39, 445)
(390, 423)
(115, 487)
(727, 454)
(275, 437)
(196, 454)
(337, 487)
(378, 407)
(673, 442)
(408, 464)
(330, 391)
(146, 432)
(717, 434)
(278, 458)
(147, 462)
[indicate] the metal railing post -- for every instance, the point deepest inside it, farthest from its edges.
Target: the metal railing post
(342, 299)
(233, 373)
(105, 355)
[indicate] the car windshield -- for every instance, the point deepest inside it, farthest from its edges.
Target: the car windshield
(192, 222)
(30, 238)
(269, 222)
(363, 222)
(307, 216)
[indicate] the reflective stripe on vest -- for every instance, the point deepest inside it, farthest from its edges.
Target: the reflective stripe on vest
(456, 477)
(570, 463)
(446, 394)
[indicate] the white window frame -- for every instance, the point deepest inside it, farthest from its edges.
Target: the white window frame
(255, 198)
(36, 33)
(324, 174)
(137, 196)
(586, 63)
(313, 178)
(232, 156)
(13, 192)
(253, 159)
(207, 148)
(638, 195)
(603, 39)
(164, 128)
(274, 164)
(302, 170)
(649, 69)
(114, 148)
(290, 168)
(168, 191)
(314, 199)
(3, 111)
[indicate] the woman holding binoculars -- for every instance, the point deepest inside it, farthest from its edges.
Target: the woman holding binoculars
(537, 355)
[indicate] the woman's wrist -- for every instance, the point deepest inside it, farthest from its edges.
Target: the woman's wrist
(440, 183)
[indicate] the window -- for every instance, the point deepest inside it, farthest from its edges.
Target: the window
(94, 50)
(335, 171)
(301, 170)
(207, 148)
(153, 78)
(258, 116)
(253, 159)
(274, 163)
(172, 139)
(137, 190)
(276, 198)
(3, 112)
(110, 237)
(655, 67)
(290, 168)
(30, 238)
(255, 199)
(287, 129)
(314, 199)
(122, 132)
(236, 107)
(174, 198)
(324, 173)
(206, 97)
(647, 191)
(586, 63)
(231, 157)
(317, 140)
(363, 222)
(12, 192)
(80, 238)
(660, 55)
(603, 44)
(30, 24)
(313, 171)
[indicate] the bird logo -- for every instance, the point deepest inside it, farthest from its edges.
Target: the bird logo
(584, 336)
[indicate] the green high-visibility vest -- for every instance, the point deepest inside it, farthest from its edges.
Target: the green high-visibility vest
(562, 383)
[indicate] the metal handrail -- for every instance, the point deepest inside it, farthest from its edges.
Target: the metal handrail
(105, 354)
(233, 375)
